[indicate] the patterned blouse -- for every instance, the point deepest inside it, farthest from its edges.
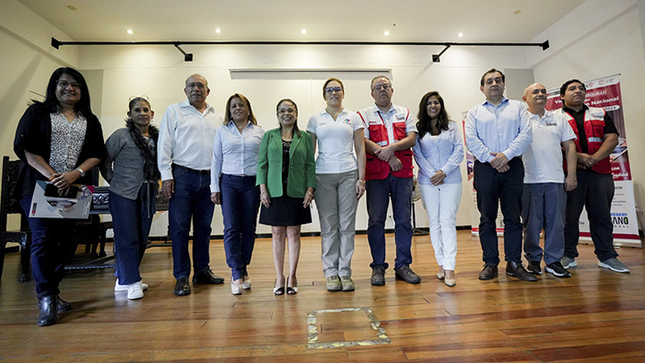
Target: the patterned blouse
(286, 147)
(67, 141)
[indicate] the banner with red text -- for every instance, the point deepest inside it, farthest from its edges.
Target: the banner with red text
(605, 92)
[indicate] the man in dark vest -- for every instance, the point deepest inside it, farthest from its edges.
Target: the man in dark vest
(597, 138)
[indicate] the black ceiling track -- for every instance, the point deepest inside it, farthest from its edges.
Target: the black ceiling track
(188, 57)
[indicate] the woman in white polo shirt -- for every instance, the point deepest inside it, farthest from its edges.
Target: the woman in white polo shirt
(340, 181)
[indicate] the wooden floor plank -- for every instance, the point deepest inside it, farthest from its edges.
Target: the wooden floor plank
(595, 316)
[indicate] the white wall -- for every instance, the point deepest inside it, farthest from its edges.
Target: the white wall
(599, 38)
(159, 72)
(27, 62)
(602, 38)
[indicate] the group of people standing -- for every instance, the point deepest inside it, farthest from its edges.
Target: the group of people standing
(203, 159)
(519, 149)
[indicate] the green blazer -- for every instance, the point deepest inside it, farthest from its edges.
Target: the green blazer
(302, 168)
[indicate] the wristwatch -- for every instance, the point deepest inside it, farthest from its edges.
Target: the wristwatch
(81, 172)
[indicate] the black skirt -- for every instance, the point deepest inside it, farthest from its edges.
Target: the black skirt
(285, 211)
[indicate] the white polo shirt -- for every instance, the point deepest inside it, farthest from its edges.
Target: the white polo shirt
(543, 158)
(335, 141)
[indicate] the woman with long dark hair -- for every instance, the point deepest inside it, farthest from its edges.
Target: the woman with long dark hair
(130, 167)
(59, 140)
(235, 162)
(287, 178)
(438, 153)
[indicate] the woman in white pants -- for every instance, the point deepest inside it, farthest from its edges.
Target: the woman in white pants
(438, 152)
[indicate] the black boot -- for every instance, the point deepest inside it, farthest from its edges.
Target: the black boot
(63, 305)
(48, 310)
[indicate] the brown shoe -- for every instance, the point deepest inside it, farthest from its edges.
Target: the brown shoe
(406, 274)
(488, 273)
(516, 269)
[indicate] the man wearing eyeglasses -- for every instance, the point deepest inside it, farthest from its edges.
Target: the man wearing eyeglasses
(390, 134)
(185, 151)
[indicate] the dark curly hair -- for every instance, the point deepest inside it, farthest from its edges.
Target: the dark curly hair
(424, 125)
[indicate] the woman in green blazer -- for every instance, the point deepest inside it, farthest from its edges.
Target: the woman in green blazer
(287, 178)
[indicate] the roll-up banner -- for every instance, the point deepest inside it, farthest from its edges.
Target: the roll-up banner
(601, 92)
(605, 92)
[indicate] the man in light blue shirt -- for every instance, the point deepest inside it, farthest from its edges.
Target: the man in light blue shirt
(497, 133)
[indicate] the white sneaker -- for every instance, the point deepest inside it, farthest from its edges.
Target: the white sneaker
(134, 291)
(236, 289)
(120, 288)
(246, 283)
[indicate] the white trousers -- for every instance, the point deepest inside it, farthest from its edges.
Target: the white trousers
(442, 202)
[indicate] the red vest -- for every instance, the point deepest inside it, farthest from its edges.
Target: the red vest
(594, 124)
(376, 169)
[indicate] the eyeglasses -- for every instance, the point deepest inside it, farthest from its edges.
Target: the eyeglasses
(139, 97)
(65, 84)
(196, 85)
(289, 110)
(333, 89)
(385, 87)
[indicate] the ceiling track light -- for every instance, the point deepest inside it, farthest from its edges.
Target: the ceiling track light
(188, 57)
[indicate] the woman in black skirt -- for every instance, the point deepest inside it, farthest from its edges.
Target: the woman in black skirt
(287, 178)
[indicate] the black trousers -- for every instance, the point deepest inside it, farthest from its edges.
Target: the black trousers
(506, 189)
(594, 192)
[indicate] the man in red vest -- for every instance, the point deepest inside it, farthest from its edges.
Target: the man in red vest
(390, 134)
(597, 138)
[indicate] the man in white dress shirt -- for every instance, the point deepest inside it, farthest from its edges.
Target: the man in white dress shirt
(185, 152)
(544, 199)
(497, 133)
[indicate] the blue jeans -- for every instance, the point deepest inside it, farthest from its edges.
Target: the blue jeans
(191, 201)
(52, 244)
(131, 220)
(240, 204)
(492, 189)
(378, 198)
(543, 206)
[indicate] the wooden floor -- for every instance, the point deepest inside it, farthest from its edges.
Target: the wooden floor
(595, 316)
